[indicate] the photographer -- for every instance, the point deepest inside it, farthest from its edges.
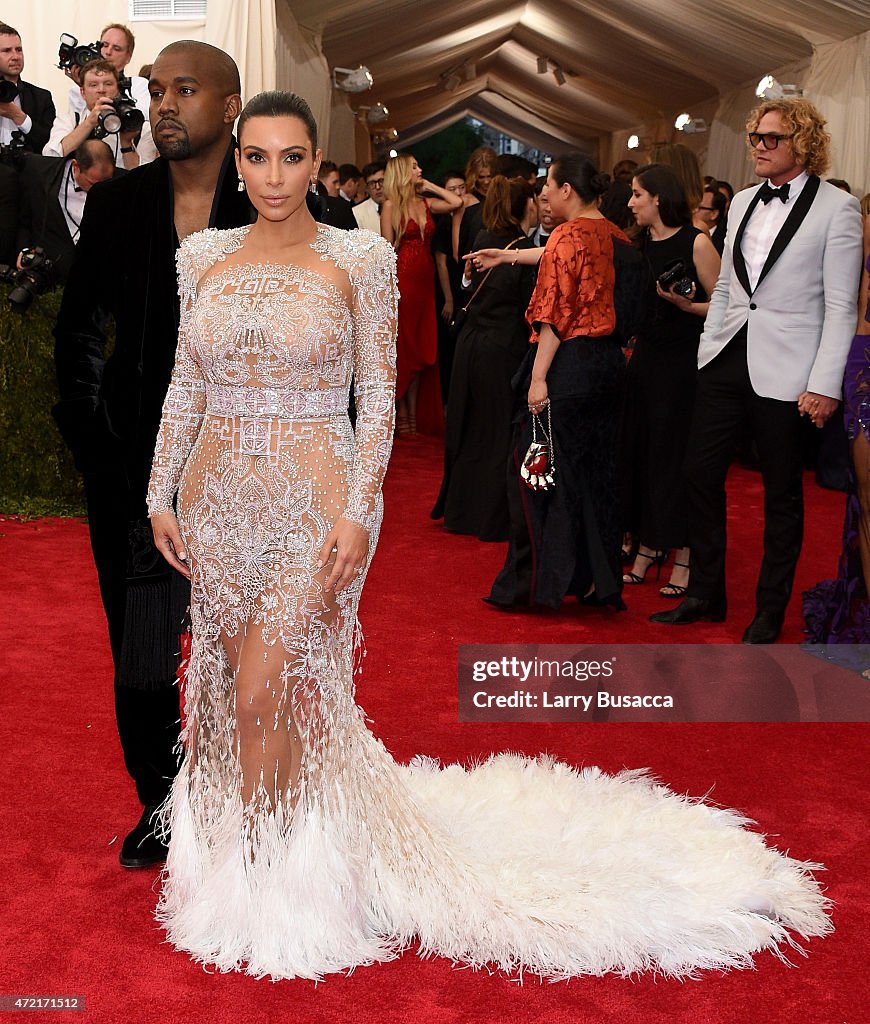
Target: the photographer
(53, 195)
(99, 89)
(23, 107)
(116, 46)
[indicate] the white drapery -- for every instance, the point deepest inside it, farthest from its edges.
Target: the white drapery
(302, 68)
(246, 30)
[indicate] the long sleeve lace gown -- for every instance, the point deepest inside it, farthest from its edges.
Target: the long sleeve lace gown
(299, 847)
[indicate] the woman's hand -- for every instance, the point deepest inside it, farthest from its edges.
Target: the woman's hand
(485, 259)
(167, 540)
(447, 310)
(682, 302)
(349, 543)
(538, 396)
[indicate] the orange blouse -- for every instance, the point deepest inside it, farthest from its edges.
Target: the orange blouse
(574, 293)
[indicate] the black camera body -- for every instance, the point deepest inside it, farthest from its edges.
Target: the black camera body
(34, 278)
(125, 116)
(12, 154)
(677, 277)
(8, 91)
(71, 55)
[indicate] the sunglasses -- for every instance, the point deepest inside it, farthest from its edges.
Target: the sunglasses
(770, 140)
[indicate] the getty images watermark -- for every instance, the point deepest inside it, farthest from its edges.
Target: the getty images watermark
(661, 683)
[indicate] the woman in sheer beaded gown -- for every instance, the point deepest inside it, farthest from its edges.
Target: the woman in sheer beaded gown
(297, 845)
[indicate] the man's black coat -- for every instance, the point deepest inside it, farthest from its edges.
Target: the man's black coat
(40, 106)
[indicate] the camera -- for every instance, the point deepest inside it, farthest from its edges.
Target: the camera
(8, 91)
(124, 117)
(71, 55)
(34, 278)
(677, 277)
(12, 154)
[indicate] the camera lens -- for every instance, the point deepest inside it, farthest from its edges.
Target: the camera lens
(111, 122)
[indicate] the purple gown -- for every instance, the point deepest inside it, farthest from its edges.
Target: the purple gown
(838, 611)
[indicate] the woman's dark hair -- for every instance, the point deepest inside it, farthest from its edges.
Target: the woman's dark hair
(280, 104)
(505, 205)
(580, 173)
(661, 181)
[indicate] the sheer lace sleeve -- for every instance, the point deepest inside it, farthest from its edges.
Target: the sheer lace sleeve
(184, 406)
(375, 301)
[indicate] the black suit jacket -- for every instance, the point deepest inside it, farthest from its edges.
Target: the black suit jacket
(109, 409)
(41, 220)
(40, 106)
(9, 188)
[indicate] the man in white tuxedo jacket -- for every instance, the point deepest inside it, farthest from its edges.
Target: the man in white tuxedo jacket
(774, 347)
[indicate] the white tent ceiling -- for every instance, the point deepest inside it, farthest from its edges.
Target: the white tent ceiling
(626, 62)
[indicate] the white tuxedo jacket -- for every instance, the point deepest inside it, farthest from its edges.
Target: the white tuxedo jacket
(367, 215)
(801, 316)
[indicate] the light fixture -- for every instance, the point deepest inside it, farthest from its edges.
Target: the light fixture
(690, 125)
(633, 142)
(376, 114)
(355, 79)
(394, 153)
(452, 81)
(470, 71)
(543, 65)
(769, 89)
(559, 75)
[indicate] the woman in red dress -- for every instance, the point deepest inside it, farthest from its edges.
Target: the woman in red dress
(406, 222)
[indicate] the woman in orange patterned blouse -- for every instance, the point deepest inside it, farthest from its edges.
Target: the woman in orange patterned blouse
(567, 540)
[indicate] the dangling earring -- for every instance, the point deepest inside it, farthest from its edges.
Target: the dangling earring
(241, 184)
(312, 188)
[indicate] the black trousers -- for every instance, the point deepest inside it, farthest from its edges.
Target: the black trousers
(148, 719)
(725, 404)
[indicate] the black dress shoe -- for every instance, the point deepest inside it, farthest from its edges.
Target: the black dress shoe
(142, 848)
(764, 628)
(692, 609)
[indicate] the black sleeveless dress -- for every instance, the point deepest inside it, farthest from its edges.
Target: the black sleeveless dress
(658, 406)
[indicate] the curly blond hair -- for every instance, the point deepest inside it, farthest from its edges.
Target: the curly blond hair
(810, 142)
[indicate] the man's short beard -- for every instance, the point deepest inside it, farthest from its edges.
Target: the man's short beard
(174, 149)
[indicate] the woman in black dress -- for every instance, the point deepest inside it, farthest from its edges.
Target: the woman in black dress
(491, 345)
(661, 375)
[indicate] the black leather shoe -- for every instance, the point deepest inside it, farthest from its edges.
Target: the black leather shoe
(692, 609)
(141, 848)
(764, 628)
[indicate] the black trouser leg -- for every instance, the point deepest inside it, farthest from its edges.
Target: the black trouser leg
(719, 413)
(776, 428)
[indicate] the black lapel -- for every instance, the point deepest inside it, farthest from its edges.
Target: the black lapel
(231, 208)
(737, 252)
(794, 220)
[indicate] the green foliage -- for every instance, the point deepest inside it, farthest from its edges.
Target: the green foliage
(37, 475)
(447, 150)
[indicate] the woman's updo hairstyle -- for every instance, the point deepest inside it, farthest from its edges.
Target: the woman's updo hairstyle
(279, 104)
(581, 174)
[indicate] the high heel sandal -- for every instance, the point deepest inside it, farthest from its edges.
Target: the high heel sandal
(674, 589)
(412, 423)
(658, 559)
(403, 425)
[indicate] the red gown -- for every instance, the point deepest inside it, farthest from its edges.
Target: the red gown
(417, 343)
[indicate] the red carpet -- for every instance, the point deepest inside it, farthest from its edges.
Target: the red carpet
(74, 923)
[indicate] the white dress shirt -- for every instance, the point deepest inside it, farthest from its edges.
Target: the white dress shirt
(764, 225)
(8, 126)
(72, 201)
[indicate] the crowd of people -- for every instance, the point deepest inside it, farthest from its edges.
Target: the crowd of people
(222, 476)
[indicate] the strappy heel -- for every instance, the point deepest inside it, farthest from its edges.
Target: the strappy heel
(674, 589)
(658, 559)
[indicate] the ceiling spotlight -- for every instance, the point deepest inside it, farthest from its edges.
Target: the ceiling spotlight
(543, 65)
(633, 142)
(452, 81)
(394, 153)
(377, 114)
(769, 89)
(690, 125)
(681, 121)
(354, 80)
(470, 71)
(559, 75)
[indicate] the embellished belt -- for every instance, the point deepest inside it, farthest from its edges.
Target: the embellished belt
(268, 403)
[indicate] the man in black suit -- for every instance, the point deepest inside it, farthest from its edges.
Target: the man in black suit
(109, 408)
(52, 200)
(29, 109)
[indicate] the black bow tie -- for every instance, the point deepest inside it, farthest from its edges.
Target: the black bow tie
(766, 193)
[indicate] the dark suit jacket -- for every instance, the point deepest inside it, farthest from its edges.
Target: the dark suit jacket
(338, 212)
(8, 213)
(40, 219)
(40, 106)
(109, 408)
